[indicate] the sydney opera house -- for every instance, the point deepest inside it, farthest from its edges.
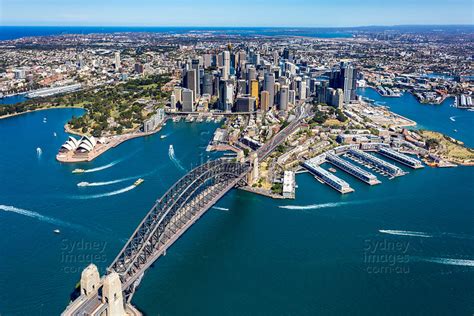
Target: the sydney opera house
(79, 146)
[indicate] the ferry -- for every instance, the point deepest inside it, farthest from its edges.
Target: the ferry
(138, 182)
(56, 231)
(78, 171)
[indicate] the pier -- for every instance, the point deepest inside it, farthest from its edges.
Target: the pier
(328, 178)
(352, 169)
(401, 158)
(375, 162)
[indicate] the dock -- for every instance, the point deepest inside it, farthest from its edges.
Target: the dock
(375, 162)
(401, 158)
(352, 169)
(328, 178)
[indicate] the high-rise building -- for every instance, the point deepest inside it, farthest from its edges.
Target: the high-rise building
(288, 54)
(177, 92)
(207, 61)
(188, 100)
(245, 103)
(269, 85)
(264, 100)
(254, 89)
(117, 61)
(225, 64)
(344, 77)
(173, 102)
(292, 97)
(284, 98)
(192, 82)
(207, 83)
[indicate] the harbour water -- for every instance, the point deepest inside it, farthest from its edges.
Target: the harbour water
(442, 118)
(402, 246)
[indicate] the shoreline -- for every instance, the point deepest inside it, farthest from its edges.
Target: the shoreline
(114, 141)
(37, 110)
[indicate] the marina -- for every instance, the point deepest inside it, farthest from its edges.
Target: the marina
(328, 178)
(401, 158)
(376, 163)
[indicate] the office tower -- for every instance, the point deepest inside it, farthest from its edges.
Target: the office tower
(242, 59)
(177, 92)
(188, 100)
(288, 54)
(192, 82)
(302, 90)
(264, 100)
(241, 87)
(290, 68)
(245, 103)
(117, 62)
(207, 83)
(292, 97)
(226, 95)
(219, 60)
(321, 91)
(173, 102)
(350, 80)
(195, 64)
(207, 61)
(276, 57)
(269, 85)
(284, 98)
(254, 89)
(251, 73)
(225, 64)
(337, 98)
(138, 68)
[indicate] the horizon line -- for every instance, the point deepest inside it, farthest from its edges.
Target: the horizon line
(227, 26)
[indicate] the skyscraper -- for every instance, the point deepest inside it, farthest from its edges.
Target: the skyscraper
(117, 61)
(270, 87)
(191, 82)
(254, 89)
(284, 98)
(264, 100)
(188, 100)
(225, 64)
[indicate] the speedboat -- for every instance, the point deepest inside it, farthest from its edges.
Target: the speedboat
(163, 136)
(56, 231)
(138, 182)
(78, 171)
(83, 184)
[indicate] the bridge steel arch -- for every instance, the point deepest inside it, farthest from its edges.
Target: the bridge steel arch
(184, 203)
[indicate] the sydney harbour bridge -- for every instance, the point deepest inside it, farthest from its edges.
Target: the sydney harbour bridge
(169, 218)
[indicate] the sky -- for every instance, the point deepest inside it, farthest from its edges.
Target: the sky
(301, 13)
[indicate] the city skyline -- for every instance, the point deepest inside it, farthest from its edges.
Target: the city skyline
(212, 13)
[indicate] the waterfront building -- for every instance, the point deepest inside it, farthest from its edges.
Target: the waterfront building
(245, 103)
(289, 184)
(188, 100)
(154, 121)
(392, 170)
(191, 82)
(173, 102)
(402, 158)
(328, 178)
(177, 92)
(352, 169)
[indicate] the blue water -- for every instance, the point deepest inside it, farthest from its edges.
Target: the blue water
(251, 256)
(13, 99)
(441, 118)
(14, 32)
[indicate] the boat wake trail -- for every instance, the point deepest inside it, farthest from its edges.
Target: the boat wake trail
(450, 261)
(99, 184)
(175, 160)
(35, 215)
(319, 206)
(405, 233)
(101, 195)
(107, 166)
(220, 208)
